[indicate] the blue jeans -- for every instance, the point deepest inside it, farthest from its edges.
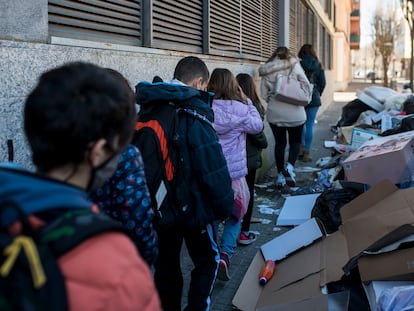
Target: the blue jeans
(229, 237)
(307, 133)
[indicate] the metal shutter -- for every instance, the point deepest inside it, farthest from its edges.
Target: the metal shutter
(301, 24)
(106, 21)
(178, 25)
(251, 27)
(270, 27)
(225, 30)
(293, 33)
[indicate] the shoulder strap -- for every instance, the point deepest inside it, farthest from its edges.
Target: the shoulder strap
(156, 127)
(74, 227)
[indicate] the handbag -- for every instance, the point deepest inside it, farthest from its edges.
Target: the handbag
(292, 91)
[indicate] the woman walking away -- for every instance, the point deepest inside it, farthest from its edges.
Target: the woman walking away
(234, 117)
(283, 117)
(316, 75)
(254, 145)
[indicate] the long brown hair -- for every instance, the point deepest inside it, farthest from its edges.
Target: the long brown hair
(248, 87)
(224, 85)
(307, 49)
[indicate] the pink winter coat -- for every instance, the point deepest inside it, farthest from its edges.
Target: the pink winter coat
(106, 273)
(232, 121)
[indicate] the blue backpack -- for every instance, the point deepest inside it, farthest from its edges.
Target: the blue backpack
(30, 277)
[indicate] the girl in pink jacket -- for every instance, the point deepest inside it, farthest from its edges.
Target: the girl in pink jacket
(234, 117)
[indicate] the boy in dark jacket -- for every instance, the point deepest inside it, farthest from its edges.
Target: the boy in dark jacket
(211, 195)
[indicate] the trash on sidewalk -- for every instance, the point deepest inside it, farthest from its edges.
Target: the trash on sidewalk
(296, 209)
(313, 266)
(388, 157)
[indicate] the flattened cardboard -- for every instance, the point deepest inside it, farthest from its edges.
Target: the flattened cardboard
(390, 157)
(302, 273)
(332, 302)
(375, 222)
(396, 266)
(249, 290)
(296, 209)
(276, 249)
(333, 257)
(303, 289)
(293, 268)
(367, 199)
(299, 276)
(292, 240)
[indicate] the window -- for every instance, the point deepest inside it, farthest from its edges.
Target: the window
(116, 21)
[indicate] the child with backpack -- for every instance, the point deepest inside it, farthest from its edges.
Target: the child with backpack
(78, 120)
(187, 177)
(234, 118)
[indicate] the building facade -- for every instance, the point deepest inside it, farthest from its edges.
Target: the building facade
(143, 38)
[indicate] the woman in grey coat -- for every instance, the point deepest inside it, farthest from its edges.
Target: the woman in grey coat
(284, 118)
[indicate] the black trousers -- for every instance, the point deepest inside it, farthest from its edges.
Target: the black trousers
(250, 179)
(295, 136)
(202, 248)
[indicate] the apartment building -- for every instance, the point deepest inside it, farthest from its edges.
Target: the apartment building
(143, 38)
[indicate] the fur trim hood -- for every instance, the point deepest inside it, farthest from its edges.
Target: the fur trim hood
(276, 65)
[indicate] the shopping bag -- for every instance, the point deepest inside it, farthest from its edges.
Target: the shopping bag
(290, 90)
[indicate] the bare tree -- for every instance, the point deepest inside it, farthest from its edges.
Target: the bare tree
(386, 28)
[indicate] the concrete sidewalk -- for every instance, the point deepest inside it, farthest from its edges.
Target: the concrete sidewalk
(268, 196)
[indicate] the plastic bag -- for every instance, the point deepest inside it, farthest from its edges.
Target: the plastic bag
(328, 204)
(397, 298)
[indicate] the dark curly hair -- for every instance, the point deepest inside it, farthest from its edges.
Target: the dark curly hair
(73, 106)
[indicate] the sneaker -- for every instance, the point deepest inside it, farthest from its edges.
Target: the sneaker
(223, 268)
(281, 180)
(246, 238)
(290, 170)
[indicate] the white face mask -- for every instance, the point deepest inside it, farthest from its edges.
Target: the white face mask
(102, 173)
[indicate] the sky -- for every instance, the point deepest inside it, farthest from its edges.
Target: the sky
(367, 11)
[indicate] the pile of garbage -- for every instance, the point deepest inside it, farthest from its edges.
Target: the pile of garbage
(376, 112)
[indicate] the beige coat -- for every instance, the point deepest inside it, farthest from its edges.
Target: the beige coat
(278, 112)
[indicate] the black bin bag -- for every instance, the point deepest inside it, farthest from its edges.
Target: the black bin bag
(329, 203)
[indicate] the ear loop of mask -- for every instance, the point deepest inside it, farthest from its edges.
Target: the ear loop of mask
(97, 168)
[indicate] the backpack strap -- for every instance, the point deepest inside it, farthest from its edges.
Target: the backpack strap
(74, 227)
(158, 130)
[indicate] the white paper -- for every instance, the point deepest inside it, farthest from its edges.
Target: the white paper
(292, 240)
(297, 209)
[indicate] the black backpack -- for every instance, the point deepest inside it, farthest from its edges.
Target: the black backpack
(166, 168)
(30, 278)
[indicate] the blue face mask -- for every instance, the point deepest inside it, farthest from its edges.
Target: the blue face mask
(102, 173)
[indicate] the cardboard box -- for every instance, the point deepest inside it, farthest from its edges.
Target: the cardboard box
(396, 266)
(299, 277)
(302, 274)
(360, 136)
(390, 157)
